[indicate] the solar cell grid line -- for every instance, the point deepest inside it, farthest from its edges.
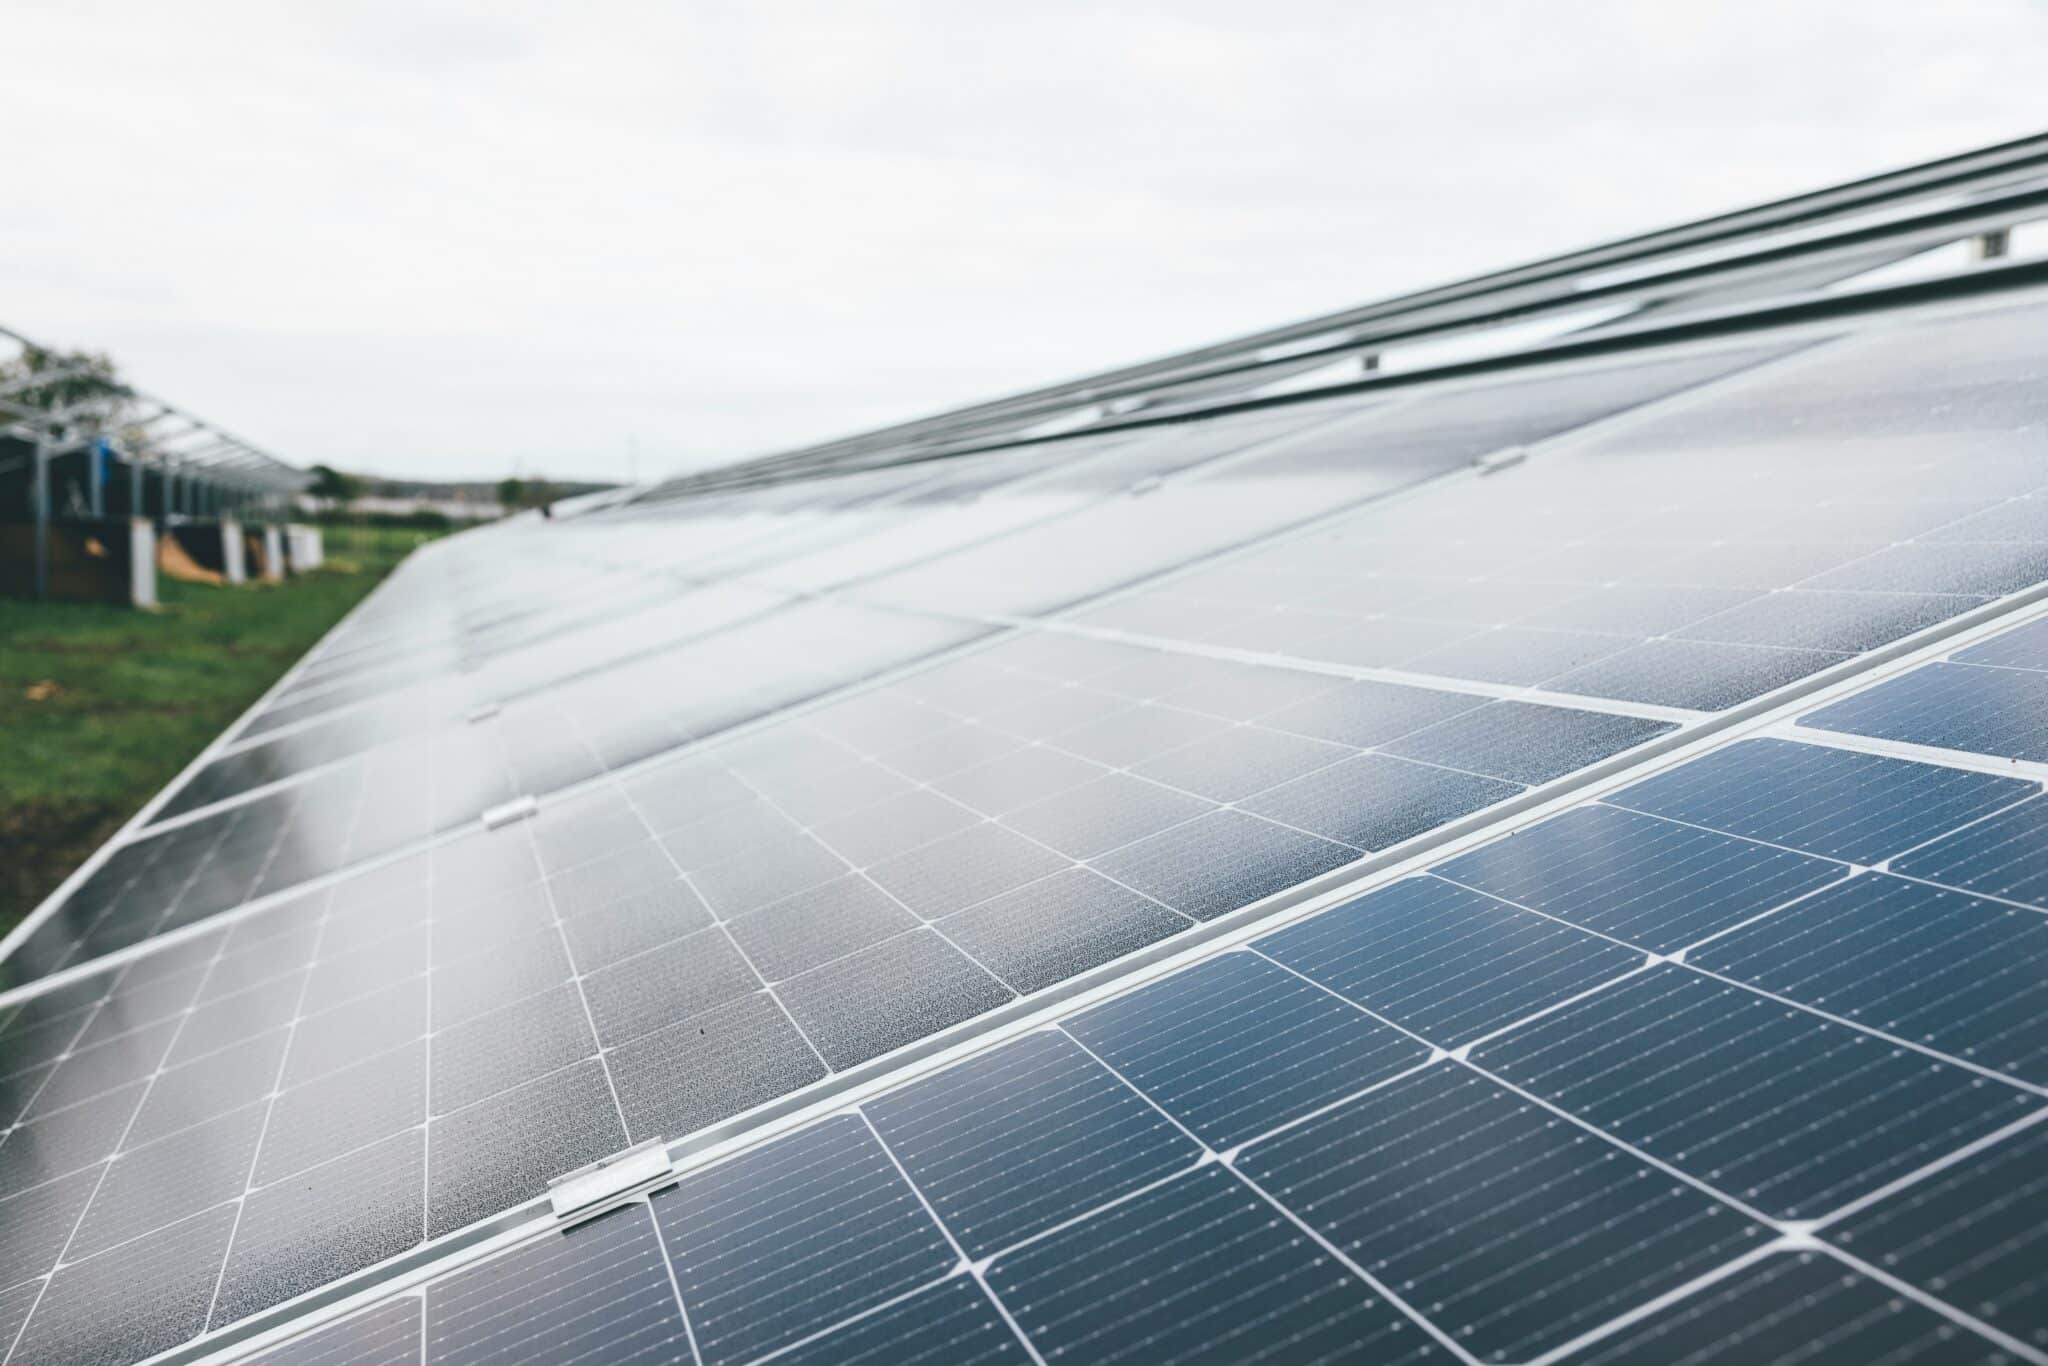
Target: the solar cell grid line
(1639, 878)
(600, 1290)
(1447, 964)
(1947, 705)
(777, 1244)
(2003, 856)
(1671, 1063)
(387, 1335)
(1790, 1306)
(166, 1299)
(1969, 1234)
(1883, 616)
(1428, 1183)
(1236, 1046)
(954, 1321)
(1197, 1270)
(1024, 1139)
(2022, 647)
(1837, 803)
(1943, 969)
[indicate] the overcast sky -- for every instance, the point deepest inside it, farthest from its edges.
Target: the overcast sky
(459, 240)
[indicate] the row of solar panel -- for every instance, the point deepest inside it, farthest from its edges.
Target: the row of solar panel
(711, 937)
(1535, 615)
(1776, 910)
(545, 749)
(425, 1044)
(1648, 1049)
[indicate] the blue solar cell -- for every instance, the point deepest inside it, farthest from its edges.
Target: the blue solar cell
(1236, 1046)
(2003, 712)
(598, 1291)
(1792, 1114)
(1955, 972)
(2022, 647)
(1198, 1271)
(1011, 1143)
(1445, 961)
(2005, 855)
(1793, 1307)
(1516, 1231)
(1835, 802)
(1975, 1234)
(953, 1323)
(789, 1239)
(1652, 882)
(388, 1335)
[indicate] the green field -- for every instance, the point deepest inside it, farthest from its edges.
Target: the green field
(101, 706)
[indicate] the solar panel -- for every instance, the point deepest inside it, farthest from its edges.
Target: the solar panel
(1011, 879)
(1595, 1087)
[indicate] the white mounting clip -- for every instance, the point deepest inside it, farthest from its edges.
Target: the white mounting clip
(608, 1178)
(518, 809)
(1493, 462)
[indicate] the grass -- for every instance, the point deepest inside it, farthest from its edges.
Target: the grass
(101, 706)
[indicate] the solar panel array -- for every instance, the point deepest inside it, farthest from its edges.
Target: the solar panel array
(662, 821)
(1727, 1065)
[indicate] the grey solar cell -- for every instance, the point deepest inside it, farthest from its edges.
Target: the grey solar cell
(1524, 742)
(1375, 801)
(142, 1297)
(1217, 863)
(324, 1223)
(791, 1238)
(600, 1289)
(388, 1335)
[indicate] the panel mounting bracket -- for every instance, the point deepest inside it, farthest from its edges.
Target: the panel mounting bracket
(1493, 462)
(518, 809)
(605, 1182)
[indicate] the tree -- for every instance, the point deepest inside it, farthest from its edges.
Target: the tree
(516, 494)
(80, 389)
(334, 488)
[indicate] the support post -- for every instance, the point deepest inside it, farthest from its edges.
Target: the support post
(96, 477)
(141, 561)
(40, 496)
(1989, 246)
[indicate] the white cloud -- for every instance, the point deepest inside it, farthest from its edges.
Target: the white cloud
(453, 239)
